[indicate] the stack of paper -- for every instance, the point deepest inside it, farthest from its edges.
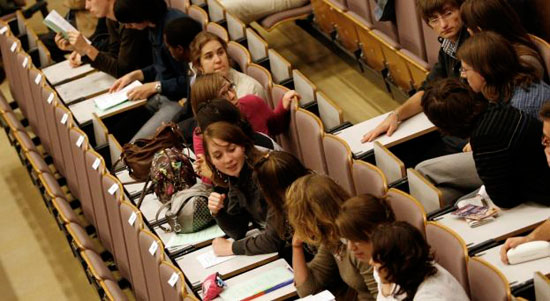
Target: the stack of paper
(264, 283)
(209, 259)
(197, 237)
(109, 100)
(63, 71)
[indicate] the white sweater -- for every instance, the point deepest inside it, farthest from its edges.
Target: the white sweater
(439, 287)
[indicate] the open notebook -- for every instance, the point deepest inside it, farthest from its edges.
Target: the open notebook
(57, 23)
(109, 100)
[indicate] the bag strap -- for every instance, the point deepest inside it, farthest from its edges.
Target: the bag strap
(144, 192)
(169, 203)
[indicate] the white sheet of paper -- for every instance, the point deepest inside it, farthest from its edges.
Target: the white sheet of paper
(109, 100)
(257, 284)
(63, 71)
(90, 85)
(58, 24)
(209, 259)
(193, 238)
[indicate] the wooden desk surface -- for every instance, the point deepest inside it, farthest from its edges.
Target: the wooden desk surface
(195, 272)
(63, 72)
(91, 85)
(413, 127)
(516, 273)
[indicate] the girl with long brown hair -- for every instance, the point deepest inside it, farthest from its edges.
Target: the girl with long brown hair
(313, 203)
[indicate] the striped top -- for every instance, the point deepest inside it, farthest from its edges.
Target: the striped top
(531, 100)
(509, 157)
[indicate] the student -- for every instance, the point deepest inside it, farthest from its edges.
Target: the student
(500, 17)
(505, 142)
(405, 269)
(230, 154)
(248, 11)
(274, 172)
(262, 118)
(443, 17)
(313, 203)
(542, 232)
(166, 79)
(127, 50)
(491, 66)
(358, 218)
(209, 55)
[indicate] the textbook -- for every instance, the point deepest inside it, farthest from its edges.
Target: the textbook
(109, 100)
(57, 23)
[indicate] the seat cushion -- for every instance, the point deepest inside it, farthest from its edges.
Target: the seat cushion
(272, 20)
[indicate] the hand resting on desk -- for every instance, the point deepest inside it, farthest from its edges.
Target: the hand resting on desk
(222, 246)
(388, 126)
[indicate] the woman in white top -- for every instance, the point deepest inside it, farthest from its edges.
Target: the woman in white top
(209, 55)
(403, 266)
(248, 11)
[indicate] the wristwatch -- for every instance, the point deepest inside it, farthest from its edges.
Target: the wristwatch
(158, 88)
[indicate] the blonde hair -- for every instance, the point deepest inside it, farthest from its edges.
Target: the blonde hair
(206, 87)
(313, 204)
(198, 43)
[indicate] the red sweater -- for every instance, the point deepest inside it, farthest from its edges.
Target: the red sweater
(261, 118)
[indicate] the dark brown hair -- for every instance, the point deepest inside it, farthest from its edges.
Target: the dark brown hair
(545, 111)
(453, 107)
(404, 255)
(497, 16)
(274, 172)
(427, 8)
(232, 134)
(494, 58)
(360, 215)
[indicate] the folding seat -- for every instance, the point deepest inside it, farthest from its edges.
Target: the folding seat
(487, 282)
(280, 68)
(181, 5)
(345, 27)
(44, 54)
(79, 146)
(257, 46)
(115, 151)
(21, 27)
(310, 134)
(289, 140)
(407, 209)
(239, 54)
(331, 114)
(216, 11)
(263, 76)
(543, 48)
(64, 123)
(36, 84)
(425, 192)
(368, 178)
(198, 14)
(152, 254)
(272, 21)
(173, 283)
(97, 270)
(52, 191)
(113, 194)
(339, 4)
(111, 291)
(132, 223)
(95, 168)
(198, 2)
(218, 30)
(449, 251)
(25, 102)
(542, 286)
(409, 27)
(338, 159)
(32, 38)
(418, 68)
(304, 87)
(9, 55)
(235, 27)
(323, 16)
(391, 166)
(101, 132)
(50, 101)
(371, 53)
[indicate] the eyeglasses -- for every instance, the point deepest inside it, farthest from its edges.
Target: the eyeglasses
(545, 141)
(433, 21)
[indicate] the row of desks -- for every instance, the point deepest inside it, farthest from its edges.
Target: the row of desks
(78, 86)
